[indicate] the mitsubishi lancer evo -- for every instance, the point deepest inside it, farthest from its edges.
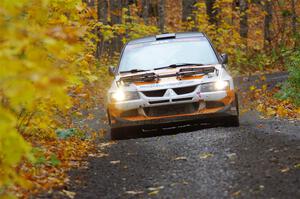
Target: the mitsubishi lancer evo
(170, 78)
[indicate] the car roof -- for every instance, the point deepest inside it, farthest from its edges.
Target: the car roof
(166, 36)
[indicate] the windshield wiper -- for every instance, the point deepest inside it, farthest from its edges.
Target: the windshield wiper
(179, 65)
(134, 71)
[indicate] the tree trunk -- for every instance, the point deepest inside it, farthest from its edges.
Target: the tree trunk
(267, 23)
(188, 6)
(116, 18)
(294, 16)
(145, 11)
(211, 11)
(102, 6)
(161, 15)
(243, 4)
(115, 11)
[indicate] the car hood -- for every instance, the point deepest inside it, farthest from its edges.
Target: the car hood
(169, 80)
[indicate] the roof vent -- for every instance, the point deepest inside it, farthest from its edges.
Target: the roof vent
(166, 36)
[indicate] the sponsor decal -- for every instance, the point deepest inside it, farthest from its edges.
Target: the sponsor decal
(182, 83)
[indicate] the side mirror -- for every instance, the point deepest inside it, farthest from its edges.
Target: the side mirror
(111, 70)
(224, 58)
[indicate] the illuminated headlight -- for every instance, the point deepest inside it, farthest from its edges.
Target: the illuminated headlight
(215, 86)
(121, 95)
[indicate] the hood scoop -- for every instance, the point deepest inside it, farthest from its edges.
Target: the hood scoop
(183, 72)
(186, 72)
(145, 77)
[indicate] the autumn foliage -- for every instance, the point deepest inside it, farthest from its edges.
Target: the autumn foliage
(45, 49)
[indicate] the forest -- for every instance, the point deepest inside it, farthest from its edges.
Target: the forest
(54, 53)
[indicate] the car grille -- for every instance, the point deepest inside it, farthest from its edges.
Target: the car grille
(171, 109)
(184, 90)
(157, 93)
(130, 113)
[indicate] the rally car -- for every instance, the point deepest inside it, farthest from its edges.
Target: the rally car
(170, 78)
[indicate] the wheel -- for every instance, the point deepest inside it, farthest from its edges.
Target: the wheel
(123, 132)
(233, 121)
(116, 133)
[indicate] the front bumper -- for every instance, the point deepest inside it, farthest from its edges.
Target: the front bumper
(225, 112)
(229, 109)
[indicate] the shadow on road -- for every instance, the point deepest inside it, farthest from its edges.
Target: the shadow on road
(171, 129)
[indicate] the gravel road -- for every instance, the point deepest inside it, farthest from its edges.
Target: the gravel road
(259, 159)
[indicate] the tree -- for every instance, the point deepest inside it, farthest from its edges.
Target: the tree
(267, 23)
(188, 8)
(294, 16)
(243, 4)
(145, 11)
(211, 11)
(116, 18)
(102, 11)
(161, 15)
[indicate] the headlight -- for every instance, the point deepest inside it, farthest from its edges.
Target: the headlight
(215, 86)
(121, 95)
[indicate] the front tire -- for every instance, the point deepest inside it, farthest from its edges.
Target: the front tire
(233, 121)
(123, 132)
(116, 133)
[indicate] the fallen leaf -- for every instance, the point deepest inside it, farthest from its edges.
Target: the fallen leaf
(115, 162)
(155, 188)
(185, 183)
(235, 194)
(297, 166)
(206, 155)
(98, 155)
(90, 117)
(252, 88)
(264, 87)
(270, 111)
(70, 194)
(261, 187)
(281, 111)
(78, 113)
(263, 78)
(181, 158)
(231, 156)
(152, 193)
(285, 170)
(134, 192)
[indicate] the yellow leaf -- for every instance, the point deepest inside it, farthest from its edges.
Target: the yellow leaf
(181, 158)
(206, 155)
(285, 170)
(270, 111)
(281, 111)
(252, 88)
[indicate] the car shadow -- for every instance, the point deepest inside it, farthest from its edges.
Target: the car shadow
(169, 129)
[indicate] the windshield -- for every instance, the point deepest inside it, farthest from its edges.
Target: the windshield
(147, 56)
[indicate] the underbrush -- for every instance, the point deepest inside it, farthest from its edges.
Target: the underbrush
(291, 89)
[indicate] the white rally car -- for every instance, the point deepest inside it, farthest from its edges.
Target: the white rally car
(170, 78)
